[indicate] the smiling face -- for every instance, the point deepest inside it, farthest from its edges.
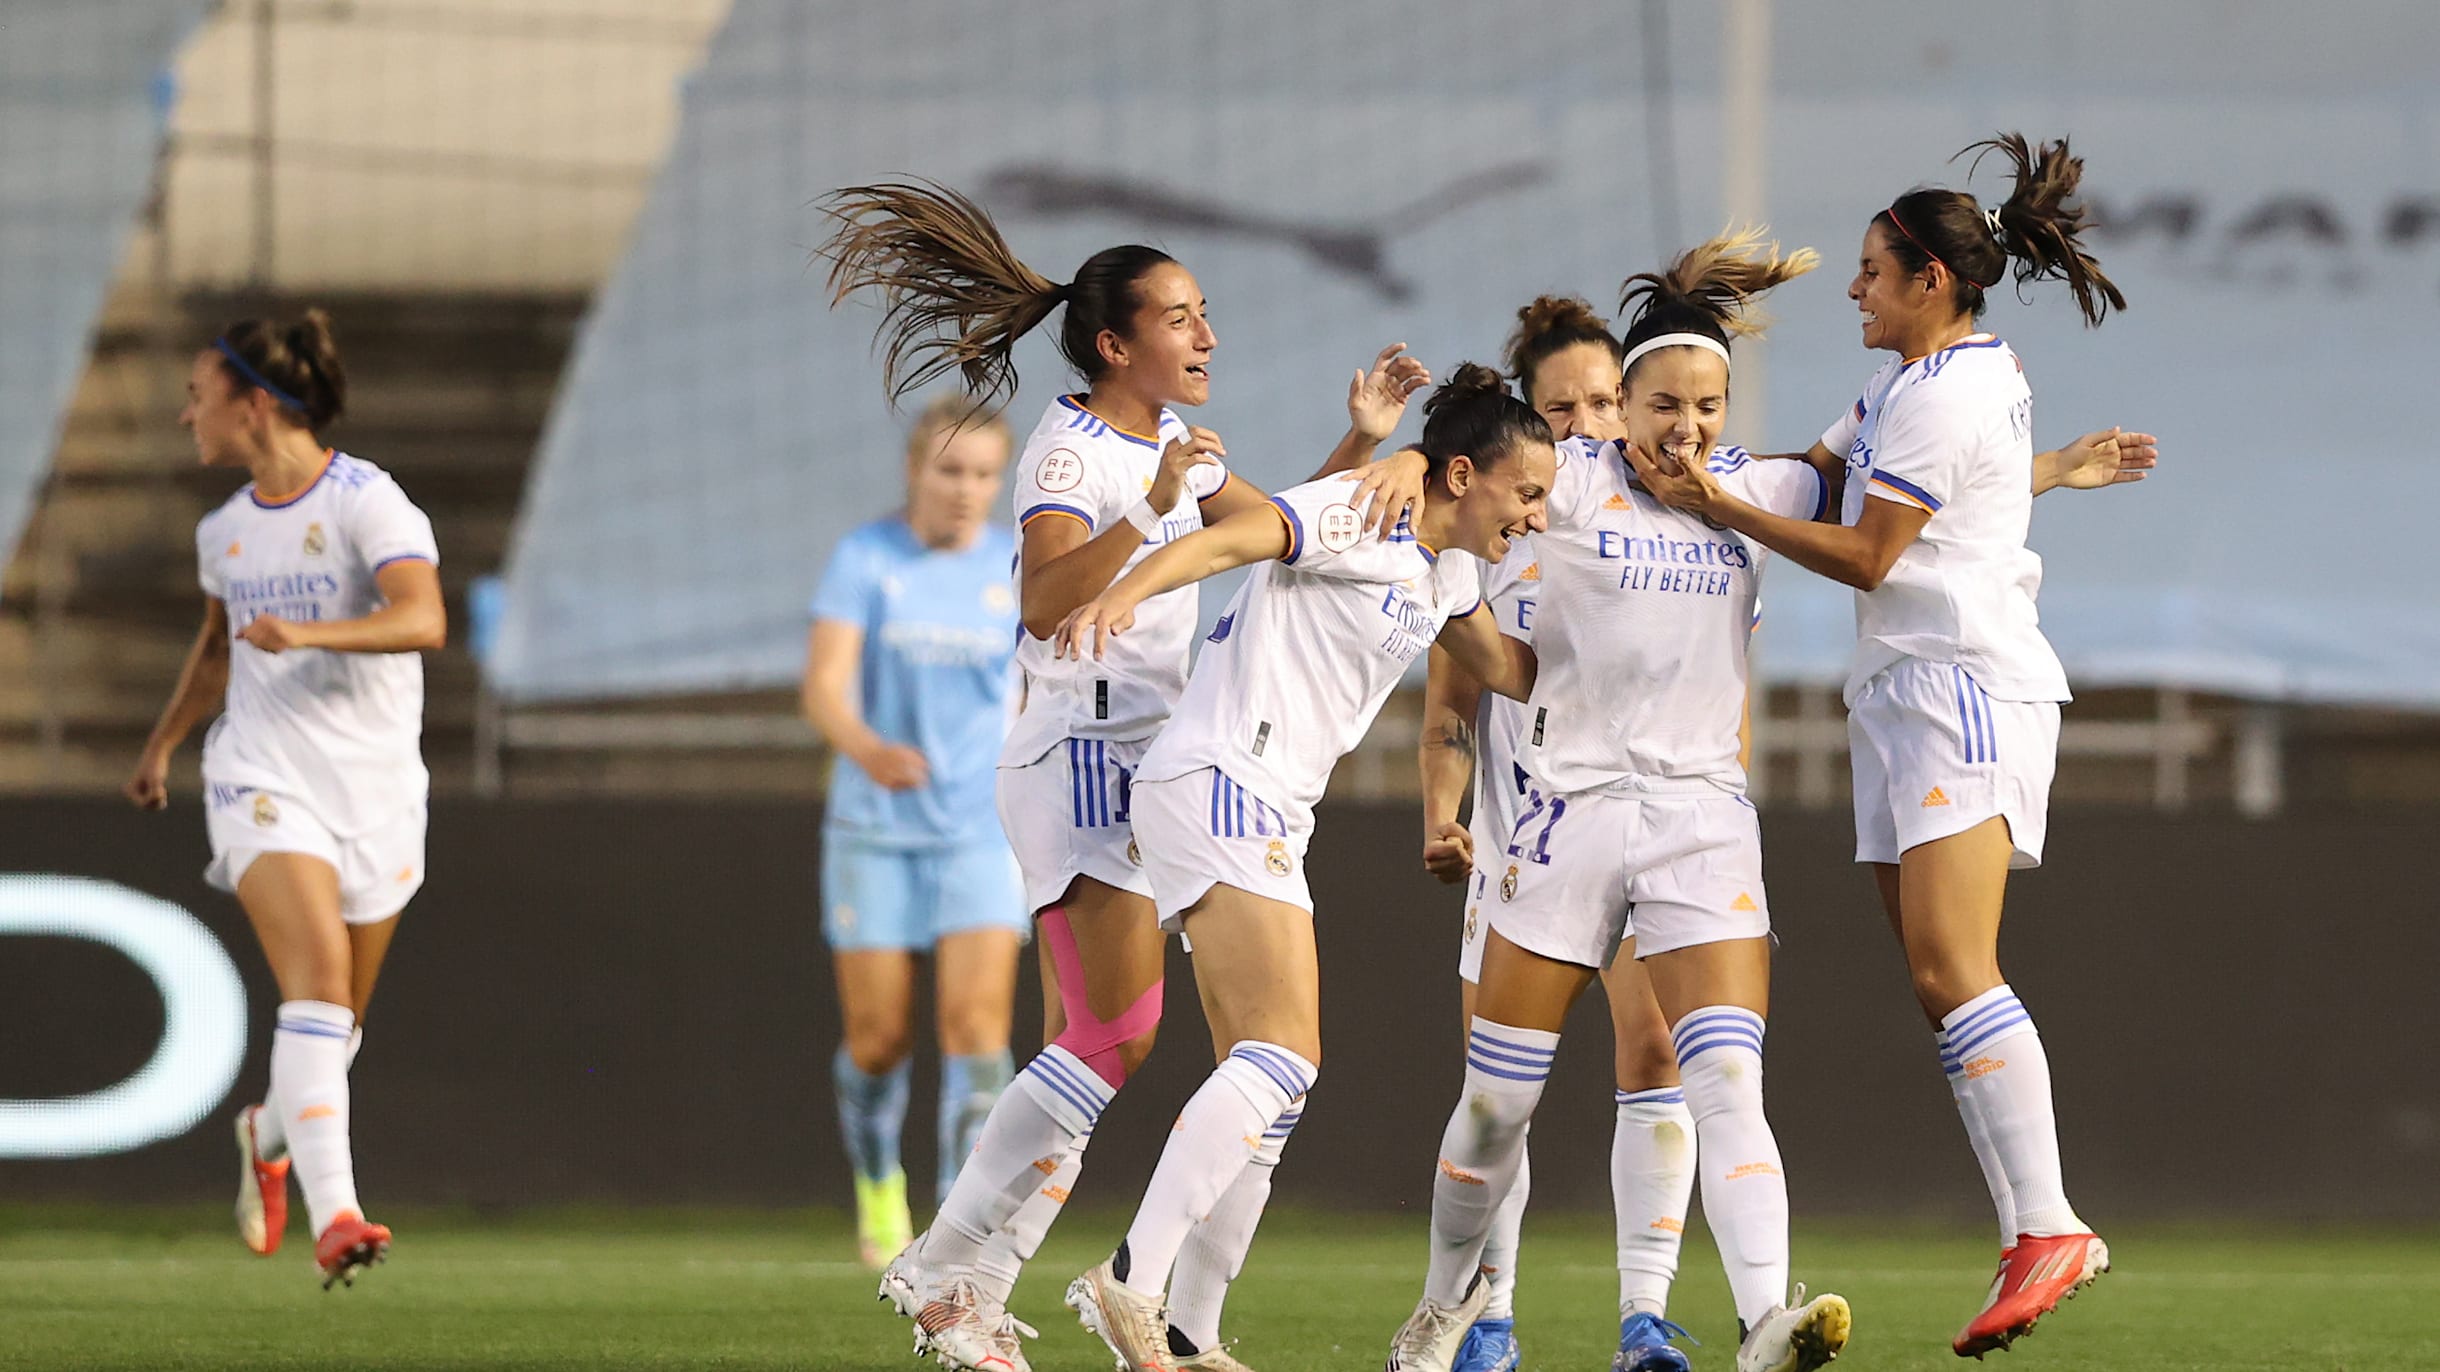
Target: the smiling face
(1166, 357)
(1576, 391)
(1677, 402)
(1898, 306)
(1502, 503)
(952, 480)
(228, 418)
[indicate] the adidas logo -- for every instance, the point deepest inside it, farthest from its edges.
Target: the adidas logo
(1616, 502)
(1669, 1226)
(1743, 904)
(232, 550)
(1532, 572)
(1935, 796)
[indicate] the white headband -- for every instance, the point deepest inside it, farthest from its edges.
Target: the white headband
(1673, 340)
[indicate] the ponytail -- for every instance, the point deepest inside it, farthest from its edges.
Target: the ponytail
(296, 364)
(2034, 234)
(1710, 290)
(1551, 325)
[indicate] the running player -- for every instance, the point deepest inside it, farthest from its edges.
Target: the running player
(906, 677)
(1566, 362)
(1288, 682)
(1100, 485)
(321, 585)
(1953, 697)
(1635, 821)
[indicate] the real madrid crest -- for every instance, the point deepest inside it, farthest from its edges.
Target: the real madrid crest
(1471, 912)
(1134, 854)
(1277, 859)
(315, 543)
(1508, 884)
(266, 811)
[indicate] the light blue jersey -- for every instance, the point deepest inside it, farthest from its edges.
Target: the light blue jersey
(939, 633)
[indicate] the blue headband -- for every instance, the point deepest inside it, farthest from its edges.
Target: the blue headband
(246, 370)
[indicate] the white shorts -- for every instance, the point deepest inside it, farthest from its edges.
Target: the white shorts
(1934, 756)
(1585, 871)
(1069, 815)
(1203, 830)
(379, 871)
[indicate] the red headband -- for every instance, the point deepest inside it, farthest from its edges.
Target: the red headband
(1926, 250)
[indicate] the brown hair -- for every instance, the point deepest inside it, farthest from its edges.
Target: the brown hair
(2036, 236)
(295, 364)
(1551, 325)
(1473, 413)
(1711, 288)
(952, 413)
(955, 297)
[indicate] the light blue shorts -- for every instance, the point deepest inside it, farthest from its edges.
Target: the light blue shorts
(876, 897)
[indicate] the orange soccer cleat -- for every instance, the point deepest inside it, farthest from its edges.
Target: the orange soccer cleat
(2034, 1276)
(348, 1246)
(262, 1190)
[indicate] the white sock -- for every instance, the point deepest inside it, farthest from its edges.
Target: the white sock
(309, 1080)
(2001, 1078)
(1014, 1244)
(1978, 1133)
(271, 1127)
(1215, 1137)
(1032, 1129)
(1651, 1184)
(1745, 1192)
(1483, 1148)
(1214, 1251)
(1499, 1260)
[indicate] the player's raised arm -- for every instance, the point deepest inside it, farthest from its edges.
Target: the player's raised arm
(1249, 536)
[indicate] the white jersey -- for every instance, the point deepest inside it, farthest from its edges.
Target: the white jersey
(1298, 666)
(1952, 434)
(1644, 625)
(339, 732)
(1510, 592)
(1078, 466)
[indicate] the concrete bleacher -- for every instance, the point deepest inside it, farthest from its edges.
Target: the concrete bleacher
(448, 392)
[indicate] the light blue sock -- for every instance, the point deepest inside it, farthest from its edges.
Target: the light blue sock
(968, 1088)
(872, 1111)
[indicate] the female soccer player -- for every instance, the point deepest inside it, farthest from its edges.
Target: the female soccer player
(906, 677)
(1301, 662)
(321, 584)
(1635, 820)
(1566, 363)
(1953, 697)
(1099, 486)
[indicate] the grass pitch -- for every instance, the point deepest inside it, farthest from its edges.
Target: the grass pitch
(161, 1289)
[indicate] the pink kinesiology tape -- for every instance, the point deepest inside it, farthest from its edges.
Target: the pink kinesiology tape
(1090, 1037)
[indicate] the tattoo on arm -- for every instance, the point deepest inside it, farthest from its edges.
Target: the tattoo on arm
(1455, 736)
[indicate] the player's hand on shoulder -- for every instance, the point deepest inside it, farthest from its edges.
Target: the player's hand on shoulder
(1448, 852)
(273, 634)
(1391, 487)
(1199, 448)
(1090, 626)
(897, 767)
(1376, 400)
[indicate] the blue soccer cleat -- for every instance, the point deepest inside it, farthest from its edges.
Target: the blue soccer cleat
(1643, 1345)
(1490, 1346)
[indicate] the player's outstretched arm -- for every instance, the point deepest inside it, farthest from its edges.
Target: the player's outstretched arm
(414, 620)
(1501, 663)
(1445, 757)
(202, 683)
(2097, 461)
(1247, 537)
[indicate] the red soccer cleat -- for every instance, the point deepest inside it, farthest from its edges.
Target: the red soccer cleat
(349, 1246)
(2034, 1276)
(262, 1190)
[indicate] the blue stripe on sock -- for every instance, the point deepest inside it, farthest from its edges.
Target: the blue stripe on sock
(1985, 1015)
(1281, 1072)
(1655, 1095)
(1055, 1075)
(1690, 1049)
(2003, 1029)
(317, 1030)
(1478, 1037)
(1477, 1050)
(1476, 1065)
(1084, 1084)
(1281, 1127)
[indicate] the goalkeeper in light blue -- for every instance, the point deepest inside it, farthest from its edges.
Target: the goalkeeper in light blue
(907, 678)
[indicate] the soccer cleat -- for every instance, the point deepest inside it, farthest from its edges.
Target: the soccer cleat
(262, 1190)
(1643, 1345)
(883, 1226)
(1135, 1326)
(1214, 1359)
(349, 1245)
(2034, 1276)
(965, 1331)
(1430, 1338)
(1490, 1346)
(1798, 1336)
